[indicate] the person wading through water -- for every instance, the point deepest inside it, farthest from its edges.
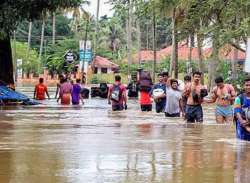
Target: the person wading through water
(224, 95)
(187, 81)
(145, 86)
(40, 90)
(76, 93)
(242, 112)
(158, 93)
(117, 95)
(65, 92)
(194, 93)
(174, 106)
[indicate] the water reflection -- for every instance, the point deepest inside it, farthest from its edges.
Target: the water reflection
(5, 155)
(242, 159)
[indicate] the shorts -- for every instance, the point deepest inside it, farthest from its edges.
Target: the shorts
(172, 115)
(118, 107)
(224, 111)
(194, 113)
(146, 107)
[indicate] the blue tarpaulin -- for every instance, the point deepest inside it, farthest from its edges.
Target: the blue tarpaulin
(7, 94)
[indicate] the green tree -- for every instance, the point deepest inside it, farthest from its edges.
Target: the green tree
(12, 13)
(55, 58)
(29, 64)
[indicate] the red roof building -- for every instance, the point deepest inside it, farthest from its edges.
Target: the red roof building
(103, 65)
(226, 53)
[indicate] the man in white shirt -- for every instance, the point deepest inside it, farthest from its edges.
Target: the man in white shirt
(174, 105)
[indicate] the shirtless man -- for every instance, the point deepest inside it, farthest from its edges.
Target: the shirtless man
(224, 95)
(194, 93)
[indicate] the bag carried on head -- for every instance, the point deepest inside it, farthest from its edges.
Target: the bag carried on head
(145, 81)
(116, 93)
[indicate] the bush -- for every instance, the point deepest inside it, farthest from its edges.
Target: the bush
(106, 78)
(94, 80)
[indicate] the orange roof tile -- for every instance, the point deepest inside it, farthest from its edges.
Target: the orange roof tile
(104, 63)
(227, 53)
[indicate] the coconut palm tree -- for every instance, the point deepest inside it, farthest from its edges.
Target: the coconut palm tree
(53, 28)
(111, 34)
(96, 26)
(173, 9)
(29, 38)
(42, 36)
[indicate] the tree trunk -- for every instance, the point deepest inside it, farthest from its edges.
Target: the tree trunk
(190, 48)
(129, 32)
(53, 28)
(200, 56)
(139, 42)
(6, 65)
(42, 40)
(154, 44)
(174, 55)
(234, 62)
(214, 63)
(147, 38)
(96, 27)
(29, 39)
(85, 45)
(14, 55)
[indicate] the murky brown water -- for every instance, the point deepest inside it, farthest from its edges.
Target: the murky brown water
(51, 143)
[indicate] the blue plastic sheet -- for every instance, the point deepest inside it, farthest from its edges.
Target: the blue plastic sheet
(8, 94)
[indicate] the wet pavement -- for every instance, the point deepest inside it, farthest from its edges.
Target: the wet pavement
(54, 143)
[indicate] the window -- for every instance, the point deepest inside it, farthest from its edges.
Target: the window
(95, 70)
(104, 70)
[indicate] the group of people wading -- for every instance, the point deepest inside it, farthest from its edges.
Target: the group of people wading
(167, 95)
(67, 91)
(171, 96)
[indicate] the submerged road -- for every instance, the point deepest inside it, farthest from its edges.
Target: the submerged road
(54, 143)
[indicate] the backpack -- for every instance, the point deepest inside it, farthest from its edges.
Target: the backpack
(116, 93)
(145, 81)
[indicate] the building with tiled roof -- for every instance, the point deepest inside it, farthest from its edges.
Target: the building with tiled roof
(103, 65)
(226, 53)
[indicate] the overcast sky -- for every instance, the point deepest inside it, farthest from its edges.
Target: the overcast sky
(105, 8)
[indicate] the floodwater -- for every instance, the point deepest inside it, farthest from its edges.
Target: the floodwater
(92, 144)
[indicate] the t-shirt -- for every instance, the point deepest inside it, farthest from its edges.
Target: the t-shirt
(145, 98)
(237, 104)
(41, 89)
(76, 94)
(173, 100)
(122, 90)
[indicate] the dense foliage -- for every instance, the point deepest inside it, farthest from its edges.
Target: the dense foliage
(131, 29)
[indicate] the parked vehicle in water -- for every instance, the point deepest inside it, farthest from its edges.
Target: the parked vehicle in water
(101, 91)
